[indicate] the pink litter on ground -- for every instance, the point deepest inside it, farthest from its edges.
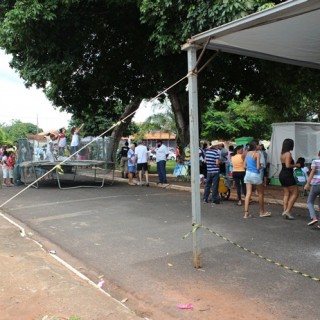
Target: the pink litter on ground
(185, 306)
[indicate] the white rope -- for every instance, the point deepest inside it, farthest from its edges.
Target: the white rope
(192, 72)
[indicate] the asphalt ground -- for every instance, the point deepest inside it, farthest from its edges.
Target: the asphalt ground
(132, 236)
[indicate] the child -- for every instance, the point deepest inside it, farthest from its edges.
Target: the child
(301, 174)
(131, 165)
(313, 184)
(5, 170)
(11, 162)
(62, 141)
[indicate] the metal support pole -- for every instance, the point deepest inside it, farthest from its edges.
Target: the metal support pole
(194, 151)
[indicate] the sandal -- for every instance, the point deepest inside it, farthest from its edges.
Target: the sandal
(287, 215)
(239, 203)
(265, 214)
(247, 215)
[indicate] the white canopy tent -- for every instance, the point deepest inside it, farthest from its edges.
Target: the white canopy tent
(288, 33)
(306, 137)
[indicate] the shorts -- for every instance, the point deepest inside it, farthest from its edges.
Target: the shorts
(142, 166)
(131, 169)
(5, 173)
(253, 178)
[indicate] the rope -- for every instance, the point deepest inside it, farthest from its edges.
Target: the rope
(58, 166)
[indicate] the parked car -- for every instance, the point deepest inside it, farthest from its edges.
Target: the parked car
(171, 156)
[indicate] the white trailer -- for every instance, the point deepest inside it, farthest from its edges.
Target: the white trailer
(306, 137)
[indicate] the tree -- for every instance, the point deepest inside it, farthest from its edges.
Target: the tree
(86, 55)
(160, 122)
(16, 130)
(94, 59)
(239, 119)
(289, 91)
(4, 139)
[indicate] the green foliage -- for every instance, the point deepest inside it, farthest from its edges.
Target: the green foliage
(176, 21)
(84, 54)
(4, 139)
(17, 129)
(160, 122)
(239, 119)
(92, 58)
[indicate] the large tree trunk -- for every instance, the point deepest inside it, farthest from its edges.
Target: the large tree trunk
(118, 131)
(181, 112)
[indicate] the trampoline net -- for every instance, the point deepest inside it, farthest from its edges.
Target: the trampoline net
(100, 149)
(29, 154)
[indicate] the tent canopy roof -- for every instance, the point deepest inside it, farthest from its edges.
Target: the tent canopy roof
(288, 33)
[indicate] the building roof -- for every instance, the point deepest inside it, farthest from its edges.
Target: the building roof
(41, 137)
(157, 135)
(160, 135)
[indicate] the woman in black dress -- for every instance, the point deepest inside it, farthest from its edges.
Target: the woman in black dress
(286, 178)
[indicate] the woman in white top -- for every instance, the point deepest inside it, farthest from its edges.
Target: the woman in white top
(75, 141)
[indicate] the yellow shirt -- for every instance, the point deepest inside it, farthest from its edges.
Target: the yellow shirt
(237, 163)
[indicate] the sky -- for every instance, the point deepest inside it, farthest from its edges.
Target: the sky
(19, 103)
(31, 105)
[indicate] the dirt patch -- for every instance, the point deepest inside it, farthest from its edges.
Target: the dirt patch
(36, 286)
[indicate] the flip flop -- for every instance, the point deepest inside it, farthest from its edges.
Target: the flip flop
(266, 214)
(248, 216)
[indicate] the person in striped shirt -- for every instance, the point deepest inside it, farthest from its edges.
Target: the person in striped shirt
(313, 184)
(213, 173)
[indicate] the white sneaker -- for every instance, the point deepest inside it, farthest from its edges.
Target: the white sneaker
(313, 221)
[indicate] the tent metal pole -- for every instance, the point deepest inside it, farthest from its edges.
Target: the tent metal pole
(194, 152)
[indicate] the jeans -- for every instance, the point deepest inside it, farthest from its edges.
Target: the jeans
(314, 192)
(238, 178)
(74, 149)
(212, 180)
(161, 169)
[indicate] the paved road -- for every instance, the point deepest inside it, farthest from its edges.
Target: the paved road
(133, 236)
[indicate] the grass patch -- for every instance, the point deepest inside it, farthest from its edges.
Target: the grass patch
(169, 166)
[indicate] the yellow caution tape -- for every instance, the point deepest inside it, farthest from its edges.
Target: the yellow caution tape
(59, 169)
(196, 227)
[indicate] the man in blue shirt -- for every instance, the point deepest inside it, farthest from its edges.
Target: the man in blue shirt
(213, 173)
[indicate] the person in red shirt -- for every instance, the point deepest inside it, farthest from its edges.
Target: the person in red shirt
(11, 161)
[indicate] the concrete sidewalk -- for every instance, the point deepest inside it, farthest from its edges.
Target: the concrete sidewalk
(272, 194)
(35, 285)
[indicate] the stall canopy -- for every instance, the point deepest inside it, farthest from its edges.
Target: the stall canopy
(288, 33)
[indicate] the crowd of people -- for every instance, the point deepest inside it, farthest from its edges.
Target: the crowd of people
(8, 159)
(247, 165)
(249, 172)
(12, 155)
(135, 162)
